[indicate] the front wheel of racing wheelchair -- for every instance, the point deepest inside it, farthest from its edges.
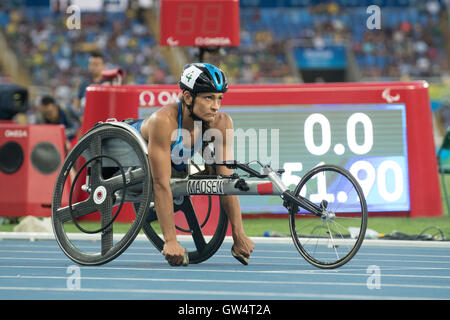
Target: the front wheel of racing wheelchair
(329, 226)
(112, 158)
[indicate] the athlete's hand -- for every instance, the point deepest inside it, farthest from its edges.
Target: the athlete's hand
(242, 248)
(175, 254)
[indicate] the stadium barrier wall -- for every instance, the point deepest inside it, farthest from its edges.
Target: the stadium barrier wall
(422, 190)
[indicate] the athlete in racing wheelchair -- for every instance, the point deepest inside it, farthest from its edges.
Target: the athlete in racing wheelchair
(144, 163)
(203, 86)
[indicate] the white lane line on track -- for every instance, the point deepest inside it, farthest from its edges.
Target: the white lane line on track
(136, 251)
(33, 236)
(253, 258)
(228, 294)
(237, 281)
(320, 272)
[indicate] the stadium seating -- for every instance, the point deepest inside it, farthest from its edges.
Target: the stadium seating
(409, 45)
(58, 57)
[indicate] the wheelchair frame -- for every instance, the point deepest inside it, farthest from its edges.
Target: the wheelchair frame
(268, 183)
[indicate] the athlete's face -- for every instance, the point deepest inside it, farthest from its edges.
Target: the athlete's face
(207, 104)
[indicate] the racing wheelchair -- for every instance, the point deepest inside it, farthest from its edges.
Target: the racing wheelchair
(112, 158)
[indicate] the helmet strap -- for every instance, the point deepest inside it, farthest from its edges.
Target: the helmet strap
(190, 107)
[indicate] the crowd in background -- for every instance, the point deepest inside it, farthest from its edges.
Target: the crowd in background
(409, 45)
(58, 58)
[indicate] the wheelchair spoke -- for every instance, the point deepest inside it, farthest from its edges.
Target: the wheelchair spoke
(106, 210)
(325, 241)
(137, 176)
(95, 148)
(194, 226)
(133, 177)
(78, 210)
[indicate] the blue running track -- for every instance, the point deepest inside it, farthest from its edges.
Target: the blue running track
(380, 270)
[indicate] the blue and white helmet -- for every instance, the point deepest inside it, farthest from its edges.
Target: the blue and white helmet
(203, 77)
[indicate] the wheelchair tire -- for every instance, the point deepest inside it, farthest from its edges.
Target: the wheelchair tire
(102, 195)
(326, 241)
(205, 247)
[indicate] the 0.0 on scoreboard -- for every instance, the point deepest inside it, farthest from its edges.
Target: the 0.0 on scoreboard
(368, 140)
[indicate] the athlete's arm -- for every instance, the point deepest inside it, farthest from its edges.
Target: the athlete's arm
(159, 133)
(224, 152)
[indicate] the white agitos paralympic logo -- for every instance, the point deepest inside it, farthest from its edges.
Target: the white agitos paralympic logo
(387, 96)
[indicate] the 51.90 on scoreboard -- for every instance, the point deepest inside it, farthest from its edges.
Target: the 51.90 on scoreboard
(368, 140)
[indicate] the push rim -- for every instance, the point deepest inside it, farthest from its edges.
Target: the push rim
(109, 245)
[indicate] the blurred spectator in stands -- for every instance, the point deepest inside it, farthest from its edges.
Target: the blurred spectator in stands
(95, 67)
(52, 113)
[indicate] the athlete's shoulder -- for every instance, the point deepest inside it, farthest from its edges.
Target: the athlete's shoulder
(164, 119)
(164, 115)
(223, 120)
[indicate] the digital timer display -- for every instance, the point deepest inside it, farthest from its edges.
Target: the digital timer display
(187, 15)
(381, 131)
(368, 140)
(199, 23)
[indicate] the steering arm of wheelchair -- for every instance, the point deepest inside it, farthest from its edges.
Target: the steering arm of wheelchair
(245, 167)
(270, 184)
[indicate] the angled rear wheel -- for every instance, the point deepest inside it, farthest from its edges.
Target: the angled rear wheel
(193, 219)
(116, 174)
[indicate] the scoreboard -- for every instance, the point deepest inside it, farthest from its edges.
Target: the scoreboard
(369, 140)
(200, 23)
(381, 132)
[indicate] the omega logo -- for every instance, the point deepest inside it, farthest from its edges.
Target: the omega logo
(16, 133)
(147, 98)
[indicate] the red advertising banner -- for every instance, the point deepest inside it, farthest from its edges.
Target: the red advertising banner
(199, 23)
(382, 133)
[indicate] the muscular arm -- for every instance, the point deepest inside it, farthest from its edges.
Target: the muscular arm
(159, 132)
(224, 152)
